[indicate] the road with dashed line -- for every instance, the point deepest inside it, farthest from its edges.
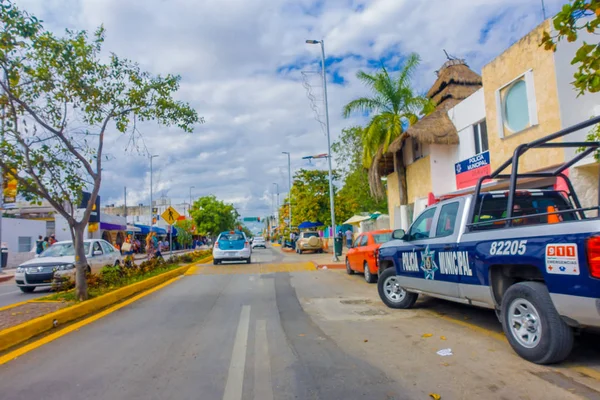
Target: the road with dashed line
(280, 329)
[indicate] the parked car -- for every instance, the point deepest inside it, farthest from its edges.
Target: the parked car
(362, 256)
(259, 241)
(309, 240)
(58, 260)
(232, 246)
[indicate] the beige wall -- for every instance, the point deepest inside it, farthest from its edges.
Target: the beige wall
(393, 195)
(418, 179)
(585, 183)
(524, 55)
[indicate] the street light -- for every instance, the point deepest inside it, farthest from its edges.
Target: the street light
(151, 204)
(190, 209)
(277, 206)
(290, 188)
(335, 258)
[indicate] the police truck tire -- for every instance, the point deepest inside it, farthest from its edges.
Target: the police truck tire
(349, 269)
(532, 325)
(393, 295)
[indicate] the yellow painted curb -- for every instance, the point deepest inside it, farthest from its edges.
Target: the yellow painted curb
(17, 334)
(275, 244)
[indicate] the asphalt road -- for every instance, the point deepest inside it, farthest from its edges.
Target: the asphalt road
(10, 294)
(278, 329)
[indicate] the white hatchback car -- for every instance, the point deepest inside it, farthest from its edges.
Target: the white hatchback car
(259, 241)
(59, 260)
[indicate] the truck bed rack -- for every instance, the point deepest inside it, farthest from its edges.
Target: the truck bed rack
(545, 142)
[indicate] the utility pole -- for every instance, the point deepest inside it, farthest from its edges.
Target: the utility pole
(331, 201)
(290, 188)
(151, 204)
(125, 202)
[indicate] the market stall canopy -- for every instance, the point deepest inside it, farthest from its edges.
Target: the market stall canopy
(134, 229)
(145, 229)
(357, 219)
(309, 225)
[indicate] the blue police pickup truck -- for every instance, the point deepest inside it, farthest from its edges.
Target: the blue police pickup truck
(531, 255)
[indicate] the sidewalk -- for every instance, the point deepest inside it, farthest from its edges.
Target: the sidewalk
(7, 275)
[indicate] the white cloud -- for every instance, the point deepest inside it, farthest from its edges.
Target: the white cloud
(228, 53)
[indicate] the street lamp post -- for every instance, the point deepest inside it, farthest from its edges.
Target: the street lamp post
(277, 204)
(151, 204)
(332, 205)
(190, 208)
(290, 188)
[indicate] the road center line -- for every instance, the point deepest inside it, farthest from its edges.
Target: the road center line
(262, 364)
(235, 377)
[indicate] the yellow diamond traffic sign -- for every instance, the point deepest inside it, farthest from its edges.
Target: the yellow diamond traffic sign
(170, 215)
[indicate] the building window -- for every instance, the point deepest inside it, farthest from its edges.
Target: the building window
(516, 105)
(516, 113)
(50, 228)
(24, 244)
(417, 150)
(481, 138)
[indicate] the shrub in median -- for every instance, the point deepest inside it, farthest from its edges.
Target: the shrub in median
(112, 277)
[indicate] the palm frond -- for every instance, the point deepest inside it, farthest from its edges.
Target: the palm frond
(363, 104)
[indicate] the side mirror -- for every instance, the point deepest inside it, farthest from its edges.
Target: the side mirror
(398, 234)
(97, 252)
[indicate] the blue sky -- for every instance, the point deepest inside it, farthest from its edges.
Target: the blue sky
(241, 62)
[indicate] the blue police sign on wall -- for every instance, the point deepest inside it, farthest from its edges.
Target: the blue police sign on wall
(470, 170)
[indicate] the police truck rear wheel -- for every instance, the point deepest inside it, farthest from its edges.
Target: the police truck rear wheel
(391, 293)
(532, 325)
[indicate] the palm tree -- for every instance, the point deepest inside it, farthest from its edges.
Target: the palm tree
(393, 107)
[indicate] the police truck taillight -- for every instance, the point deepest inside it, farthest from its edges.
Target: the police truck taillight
(593, 255)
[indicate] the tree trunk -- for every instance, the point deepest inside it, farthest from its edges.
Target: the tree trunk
(81, 264)
(401, 173)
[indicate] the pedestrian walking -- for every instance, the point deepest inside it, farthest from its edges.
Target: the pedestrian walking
(52, 240)
(45, 243)
(149, 246)
(39, 245)
(349, 238)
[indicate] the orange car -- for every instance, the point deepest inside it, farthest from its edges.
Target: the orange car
(361, 257)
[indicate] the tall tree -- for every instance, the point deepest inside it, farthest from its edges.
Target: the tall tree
(576, 16)
(60, 98)
(213, 216)
(310, 194)
(185, 231)
(393, 106)
(354, 194)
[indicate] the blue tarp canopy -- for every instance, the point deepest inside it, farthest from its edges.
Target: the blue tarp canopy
(145, 229)
(309, 225)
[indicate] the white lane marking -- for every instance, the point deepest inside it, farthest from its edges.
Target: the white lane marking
(235, 377)
(263, 389)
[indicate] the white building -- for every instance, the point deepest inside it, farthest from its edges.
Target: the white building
(20, 235)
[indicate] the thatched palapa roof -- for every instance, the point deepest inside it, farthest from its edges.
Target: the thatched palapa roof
(455, 82)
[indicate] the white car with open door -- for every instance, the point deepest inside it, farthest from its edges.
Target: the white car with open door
(59, 260)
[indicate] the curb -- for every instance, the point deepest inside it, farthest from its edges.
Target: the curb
(6, 278)
(19, 333)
